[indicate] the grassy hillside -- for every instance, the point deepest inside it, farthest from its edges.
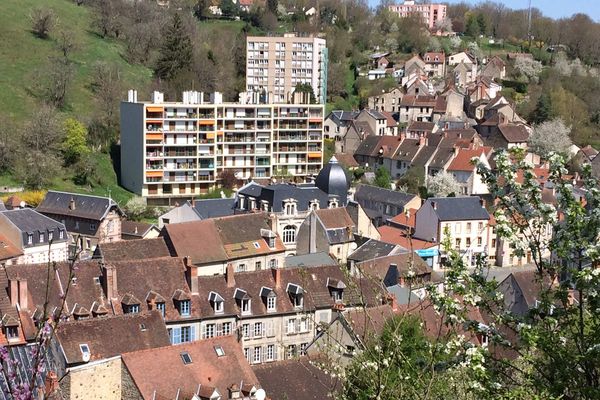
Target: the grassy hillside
(23, 54)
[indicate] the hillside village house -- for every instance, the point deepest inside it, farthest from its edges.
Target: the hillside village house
(462, 220)
(465, 172)
(381, 204)
(30, 237)
(387, 101)
(288, 205)
(197, 210)
(246, 241)
(89, 219)
(337, 122)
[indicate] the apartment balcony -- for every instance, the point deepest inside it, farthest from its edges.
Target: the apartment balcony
(180, 154)
(291, 137)
(240, 139)
(231, 152)
(154, 166)
(245, 127)
(180, 178)
(292, 126)
(181, 167)
(315, 138)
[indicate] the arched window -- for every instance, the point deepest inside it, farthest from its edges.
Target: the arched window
(290, 208)
(289, 234)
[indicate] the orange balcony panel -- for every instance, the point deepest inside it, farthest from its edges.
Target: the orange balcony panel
(154, 136)
(206, 122)
(219, 133)
(154, 174)
(315, 120)
(154, 121)
(210, 135)
(314, 155)
(155, 109)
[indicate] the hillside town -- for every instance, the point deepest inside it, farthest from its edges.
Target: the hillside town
(277, 246)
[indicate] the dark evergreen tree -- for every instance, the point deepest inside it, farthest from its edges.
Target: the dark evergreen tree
(543, 109)
(175, 51)
(272, 6)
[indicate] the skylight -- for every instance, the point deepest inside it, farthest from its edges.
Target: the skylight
(186, 358)
(219, 350)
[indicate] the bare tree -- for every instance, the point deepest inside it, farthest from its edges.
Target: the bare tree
(67, 43)
(42, 22)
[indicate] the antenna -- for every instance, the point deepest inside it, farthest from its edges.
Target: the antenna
(109, 193)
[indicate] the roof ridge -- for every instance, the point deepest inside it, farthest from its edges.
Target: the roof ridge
(110, 199)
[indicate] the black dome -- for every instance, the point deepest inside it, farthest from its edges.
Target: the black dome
(333, 181)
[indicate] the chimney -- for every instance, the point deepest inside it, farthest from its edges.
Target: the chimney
(110, 281)
(14, 292)
(135, 230)
(229, 278)
(422, 141)
(72, 204)
(51, 383)
(23, 294)
(482, 202)
(191, 274)
(312, 234)
(391, 300)
(434, 205)
(276, 276)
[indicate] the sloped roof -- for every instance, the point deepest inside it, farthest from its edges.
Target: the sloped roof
(379, 267)
(221, 239)
(89, 207)
(362, 127)
(389, 119)
(398, 236)
(135, 228)
(462, 161)
(124, 250)
(421, 126)
(162, 372)
(373, 249)
(407, 150)
(296, 379)
(333, 218)
(418, 101)
(368, 147)
(530, 284)
(346, 160)
(8, 249)
(458, 208)
(29, 220)
(134, 332)
(277, 193)
(401, 218)
(213, 208)
(373, 193)
(514, 133)
(368, 323)
(434, 57)
(309, 260)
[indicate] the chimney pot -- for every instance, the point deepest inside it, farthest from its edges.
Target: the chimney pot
(23, 294)
(276, 276)
(72, 204)
(482, 202)
(14, 292)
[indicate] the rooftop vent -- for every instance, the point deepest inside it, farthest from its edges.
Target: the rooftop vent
(85, 352)
(186, 358)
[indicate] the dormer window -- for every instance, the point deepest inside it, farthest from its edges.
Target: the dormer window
(42, 237)
(50, 236)
(333, 203)
(217, 302)
(61, 234)
(242, 201)
(161, 308)
(11, 332)
(314, 205)
(243, 300)
(336, 289)
(29, 238)
(289, 207)
(184, 308)
(265, 205)
(270, 298)
(130, 304)
(296, 295)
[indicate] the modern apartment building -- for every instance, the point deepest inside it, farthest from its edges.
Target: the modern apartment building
(276, 64)
(430, 12)
(173, 151)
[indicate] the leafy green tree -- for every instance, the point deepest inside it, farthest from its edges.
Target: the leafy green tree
(75, 141)
(273, 5)
(543, 109)
(306, 88)
(229, 8)
(383, 178)
(175, 51)
(473, 28)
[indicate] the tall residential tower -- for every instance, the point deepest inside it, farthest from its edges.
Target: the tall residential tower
(276, 64)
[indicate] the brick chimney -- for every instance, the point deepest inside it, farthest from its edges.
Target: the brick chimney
(191, 274)
(72, 203)
(422, 141)
(23, 294)
(229, 278)
(109, 273)
(276, 276)
(391, 300)
(434, 205)
(51, 383)
(14, 292)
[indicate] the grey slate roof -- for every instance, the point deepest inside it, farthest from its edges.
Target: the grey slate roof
(29, 221)
(458, 208)
(213, 208)
(275, 194)
(407, 150)
(377, 194)
(340, 117)
(309, 260)
(368, 146)
(373, 249)
(88, 207)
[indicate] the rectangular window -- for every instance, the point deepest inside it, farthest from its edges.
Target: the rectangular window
(186, 334)
(61, 234)
(92, 227)
(29, 238)
(247, 354)
(303, 325)
(161, 307)
(50, 236)
(493, 243)
(210, 331)
(468, 242)
(480, 226)
(258, 329)
(457, 227)
(273, 262)
(291, 351)
(468, 227)
(479, 241)
(258, 266)
(291, 326)
(257, 352)
(457, 243)
(42, 237)
(271, 304)
(241, 268)
(219, 307)
(246, 306)
(303, 347)
(184, 308)
(226, 328)
(270, 354)
(246, 330)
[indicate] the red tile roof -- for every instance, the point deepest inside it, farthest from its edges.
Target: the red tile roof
(132, 250)
(401, 219)
(389, 119)
(333, 218)
(389, 234)
(462, 161)
(162, 372)
(8, 249)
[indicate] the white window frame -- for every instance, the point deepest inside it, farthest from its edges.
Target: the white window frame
(271, 303)
(270, 352)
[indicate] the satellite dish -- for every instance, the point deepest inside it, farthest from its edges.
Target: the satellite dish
(260, 394)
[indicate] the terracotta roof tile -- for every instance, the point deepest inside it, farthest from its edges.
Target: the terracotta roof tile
(462, 161)
(161, 371)
(397, 236)
(8, 249)
(124, 250)
(333, 218)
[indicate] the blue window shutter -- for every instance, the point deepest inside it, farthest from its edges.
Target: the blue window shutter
(176, 335)
(192, 333)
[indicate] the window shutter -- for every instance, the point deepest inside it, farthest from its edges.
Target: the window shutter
(298, 325)
(193, 333)
(264, 354)
(250, 354)
(203, 331)
(270, 329)
(176, 335)
(219, 329)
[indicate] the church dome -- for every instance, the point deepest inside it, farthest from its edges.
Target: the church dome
(333, 181)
